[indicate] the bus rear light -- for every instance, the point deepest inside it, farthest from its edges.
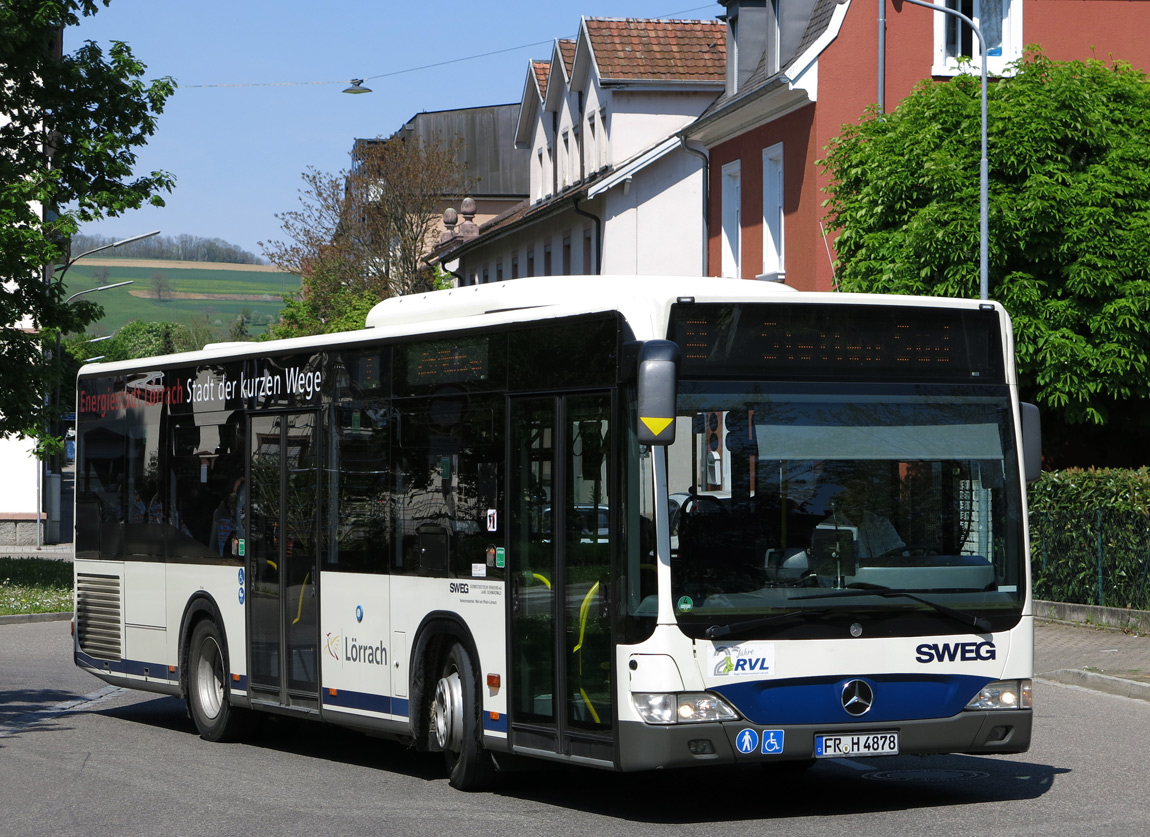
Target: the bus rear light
(682, 708)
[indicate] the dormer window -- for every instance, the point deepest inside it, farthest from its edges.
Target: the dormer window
(752, 39)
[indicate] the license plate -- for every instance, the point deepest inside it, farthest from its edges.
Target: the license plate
(856, 744)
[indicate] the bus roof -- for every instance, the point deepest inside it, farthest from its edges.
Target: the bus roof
(644, 301)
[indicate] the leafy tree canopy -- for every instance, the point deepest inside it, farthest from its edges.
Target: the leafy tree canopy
(70, 124)
(360, 236)
(140, 339)
(1069, 219)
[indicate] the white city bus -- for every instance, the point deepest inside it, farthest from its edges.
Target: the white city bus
(628, 523)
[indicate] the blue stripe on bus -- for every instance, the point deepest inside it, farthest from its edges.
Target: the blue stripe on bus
(818, 700)
(135, 668)
(366, 701)
(494, 722)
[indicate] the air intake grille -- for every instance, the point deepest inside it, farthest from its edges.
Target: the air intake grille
(98, 615)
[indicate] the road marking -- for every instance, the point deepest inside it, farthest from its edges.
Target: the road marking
(64, 707)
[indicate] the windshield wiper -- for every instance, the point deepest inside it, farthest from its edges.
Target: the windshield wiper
(980, 624)
(717, 631)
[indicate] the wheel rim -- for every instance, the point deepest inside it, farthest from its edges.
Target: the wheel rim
(210, 678)
(447, 712)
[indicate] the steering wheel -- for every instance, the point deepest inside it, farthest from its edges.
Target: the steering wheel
(915, 550)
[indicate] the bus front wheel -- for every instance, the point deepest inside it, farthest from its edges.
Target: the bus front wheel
(215, 718)
(455, 725)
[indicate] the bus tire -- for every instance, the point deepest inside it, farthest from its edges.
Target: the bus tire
(455, 724)
(209, 689)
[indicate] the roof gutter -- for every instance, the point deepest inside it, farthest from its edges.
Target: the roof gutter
(598, 235)
(702, 155)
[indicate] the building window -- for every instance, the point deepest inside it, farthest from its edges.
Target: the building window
(565, 161)
(1000, 22)
(531, 261)
(773, 214)
(588, 265)
(542, 175)
(515, 266)
(547, 257)
(604, 140)
(499, 270)
(567, 253)
(731, 196)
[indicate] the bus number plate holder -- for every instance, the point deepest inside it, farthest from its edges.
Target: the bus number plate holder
(861, 744)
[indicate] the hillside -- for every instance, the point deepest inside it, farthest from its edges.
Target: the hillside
(219, 290)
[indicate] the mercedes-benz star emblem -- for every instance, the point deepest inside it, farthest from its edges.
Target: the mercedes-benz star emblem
(858, 697)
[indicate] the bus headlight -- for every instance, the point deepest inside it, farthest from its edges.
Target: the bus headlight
(682, 708)
(1004, 694)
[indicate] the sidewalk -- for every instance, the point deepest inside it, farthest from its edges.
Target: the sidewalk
(1112, 660)
(57, 551)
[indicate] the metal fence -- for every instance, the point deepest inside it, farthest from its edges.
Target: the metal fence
(1099, 557)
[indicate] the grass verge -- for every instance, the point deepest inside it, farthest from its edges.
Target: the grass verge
(35, 585)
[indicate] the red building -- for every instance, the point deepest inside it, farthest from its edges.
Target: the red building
(798, 70)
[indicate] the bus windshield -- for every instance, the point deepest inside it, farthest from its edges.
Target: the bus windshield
(885, 508)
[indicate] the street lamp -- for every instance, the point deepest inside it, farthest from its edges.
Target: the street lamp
(64, 267)
(983, 167)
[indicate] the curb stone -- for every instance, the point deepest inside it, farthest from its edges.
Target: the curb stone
(1097, 682)
(23, 618)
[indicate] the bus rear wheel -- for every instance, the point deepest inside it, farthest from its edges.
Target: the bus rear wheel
(455, 725)
(208, 690)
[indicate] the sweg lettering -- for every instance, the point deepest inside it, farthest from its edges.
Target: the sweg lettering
(354, 652)
(458, 587)
(949, 652)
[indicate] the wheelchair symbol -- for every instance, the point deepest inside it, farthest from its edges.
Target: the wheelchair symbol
(772, 741)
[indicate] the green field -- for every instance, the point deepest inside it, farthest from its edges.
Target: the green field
(218, 290)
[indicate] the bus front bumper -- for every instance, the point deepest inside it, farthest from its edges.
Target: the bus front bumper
(648, 747)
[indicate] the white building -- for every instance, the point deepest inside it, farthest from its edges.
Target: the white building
(612, 188)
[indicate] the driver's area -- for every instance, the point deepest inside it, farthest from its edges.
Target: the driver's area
(771, 495)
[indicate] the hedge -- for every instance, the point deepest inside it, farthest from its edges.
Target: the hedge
(1090, 537)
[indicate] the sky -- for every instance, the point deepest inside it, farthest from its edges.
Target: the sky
(259, 98)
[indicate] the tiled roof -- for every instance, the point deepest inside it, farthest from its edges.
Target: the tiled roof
(658, 50)
(542, 70)
(567, 49)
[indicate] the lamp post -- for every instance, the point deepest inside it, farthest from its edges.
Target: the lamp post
(54, 487)
(983, 167)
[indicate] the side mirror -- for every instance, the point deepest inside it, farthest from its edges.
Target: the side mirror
(1031, 441)
(657, 386)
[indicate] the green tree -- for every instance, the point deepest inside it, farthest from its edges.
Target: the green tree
(145, 339)
(70, 124)
(239, 330)
(162, 286)
(1069, 227)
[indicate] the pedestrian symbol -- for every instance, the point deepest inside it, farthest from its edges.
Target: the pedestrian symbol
(747, 741)
(772, 741)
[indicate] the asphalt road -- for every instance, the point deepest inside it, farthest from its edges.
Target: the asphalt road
(122, 763)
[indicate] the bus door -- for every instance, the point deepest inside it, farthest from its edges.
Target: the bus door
(560, 541)
(279, 533)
